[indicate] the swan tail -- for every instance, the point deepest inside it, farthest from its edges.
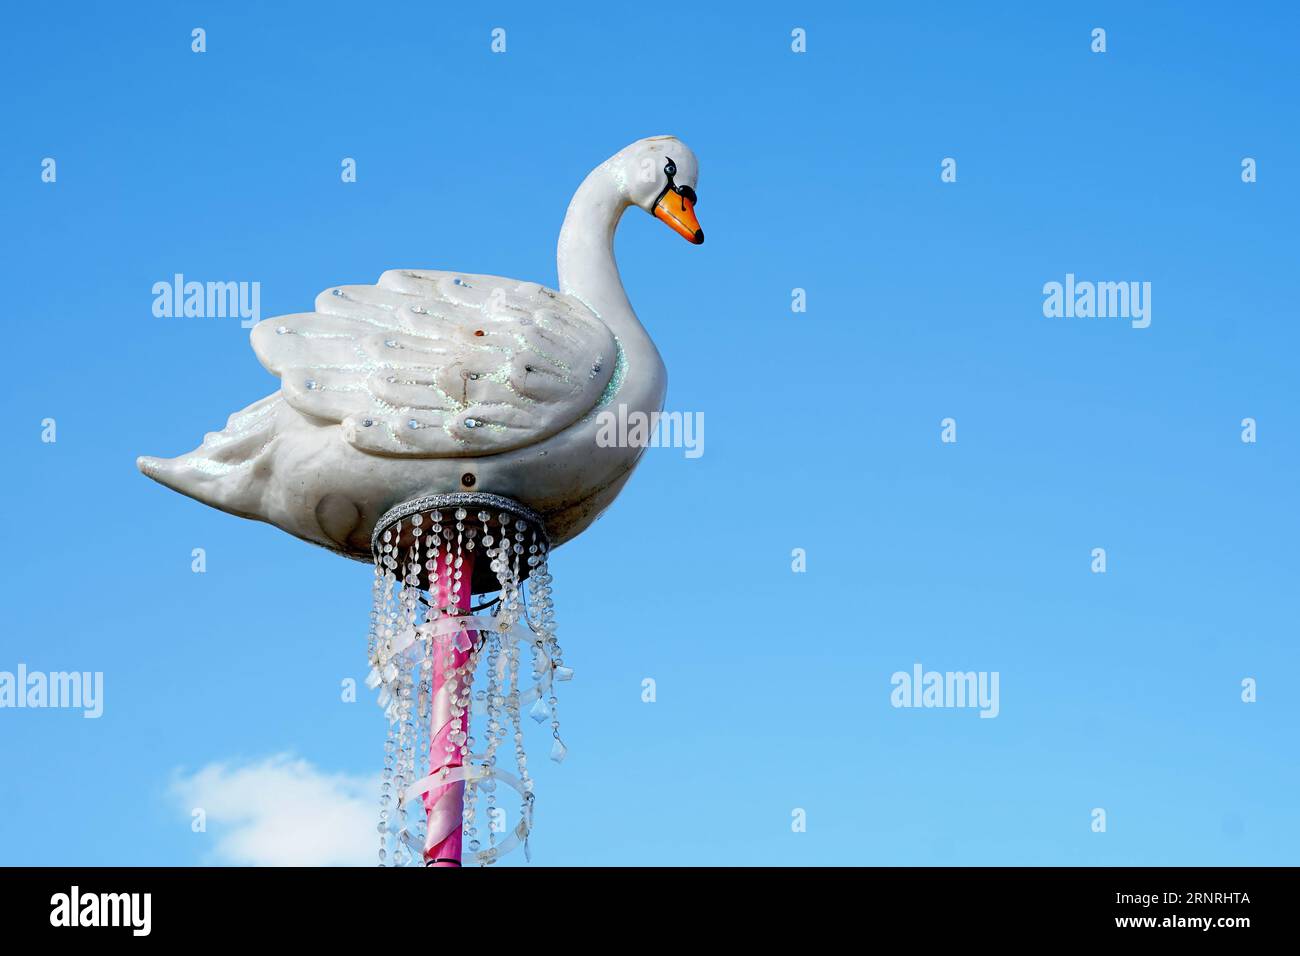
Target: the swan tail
(229, 471)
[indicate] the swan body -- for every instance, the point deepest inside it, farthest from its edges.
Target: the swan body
(430, 382)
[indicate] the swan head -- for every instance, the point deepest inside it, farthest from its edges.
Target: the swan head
(659, 174)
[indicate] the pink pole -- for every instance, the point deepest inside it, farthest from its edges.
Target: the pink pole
(444, 804)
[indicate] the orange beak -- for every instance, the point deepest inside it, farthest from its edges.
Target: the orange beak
(679, 213)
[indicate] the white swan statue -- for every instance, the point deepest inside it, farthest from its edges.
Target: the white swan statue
(440, 382)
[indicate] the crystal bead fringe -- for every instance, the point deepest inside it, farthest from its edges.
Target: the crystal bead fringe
(407, 625)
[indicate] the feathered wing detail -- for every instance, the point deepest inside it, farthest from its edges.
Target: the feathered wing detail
(440, 364)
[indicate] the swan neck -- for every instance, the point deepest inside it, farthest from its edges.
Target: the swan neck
(585, 256)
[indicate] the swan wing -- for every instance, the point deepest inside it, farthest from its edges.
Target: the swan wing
(429, 364)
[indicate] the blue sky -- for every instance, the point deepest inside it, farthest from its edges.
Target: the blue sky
(819, 171)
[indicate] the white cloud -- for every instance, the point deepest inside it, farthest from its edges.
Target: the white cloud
(283, 811)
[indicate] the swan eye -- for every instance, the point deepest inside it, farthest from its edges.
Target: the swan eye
(670, 169)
